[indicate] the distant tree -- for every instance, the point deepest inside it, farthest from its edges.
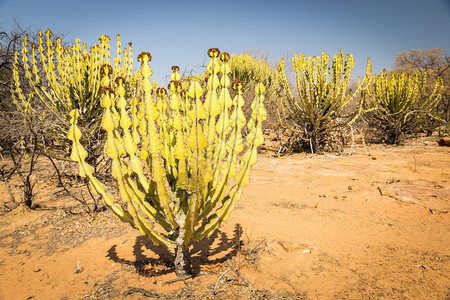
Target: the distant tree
(436, 63)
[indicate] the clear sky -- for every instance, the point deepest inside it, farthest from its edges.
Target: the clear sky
(180, 32)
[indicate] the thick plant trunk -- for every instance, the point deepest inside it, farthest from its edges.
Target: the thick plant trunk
(396, 135)
(182, 261)
(314, 142)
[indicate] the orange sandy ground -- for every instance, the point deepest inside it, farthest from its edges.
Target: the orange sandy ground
(311, 227)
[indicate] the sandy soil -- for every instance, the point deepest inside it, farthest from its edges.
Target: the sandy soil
(307, 227)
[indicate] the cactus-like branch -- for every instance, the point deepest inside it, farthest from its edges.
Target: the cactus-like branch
(323, 94)
(175, 153)
(63, 79)
(396, 103)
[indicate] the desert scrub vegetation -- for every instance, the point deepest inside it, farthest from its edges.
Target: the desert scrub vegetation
(435, 63)
(323, 94)
(60, 79)
(397, 103)
(19, 136)
(179, 157)
(48, 79)
(252, 68)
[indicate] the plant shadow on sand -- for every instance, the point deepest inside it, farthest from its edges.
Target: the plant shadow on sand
(212, 250)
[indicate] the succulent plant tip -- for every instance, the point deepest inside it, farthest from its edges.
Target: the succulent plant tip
(224, 56)
(213, 52)
(119, 79)
(161, 91)
(237, 85)
(108, 89)
(106, 69)
(142, 54)
(173, 85)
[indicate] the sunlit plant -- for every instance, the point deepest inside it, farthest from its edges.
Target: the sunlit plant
(395, 103)
(179, 157)
(251, 70)
(60, 79)
(323, 95)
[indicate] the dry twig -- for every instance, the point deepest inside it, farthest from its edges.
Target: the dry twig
(218, 280)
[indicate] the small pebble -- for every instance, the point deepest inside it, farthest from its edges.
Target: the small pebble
(78, 268)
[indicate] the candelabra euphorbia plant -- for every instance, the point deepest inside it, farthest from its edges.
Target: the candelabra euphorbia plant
(396, 103)
(323, 95)
(251, 70)
(66, 78)
(179, 157)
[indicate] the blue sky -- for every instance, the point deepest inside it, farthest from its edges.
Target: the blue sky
(180, 32)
